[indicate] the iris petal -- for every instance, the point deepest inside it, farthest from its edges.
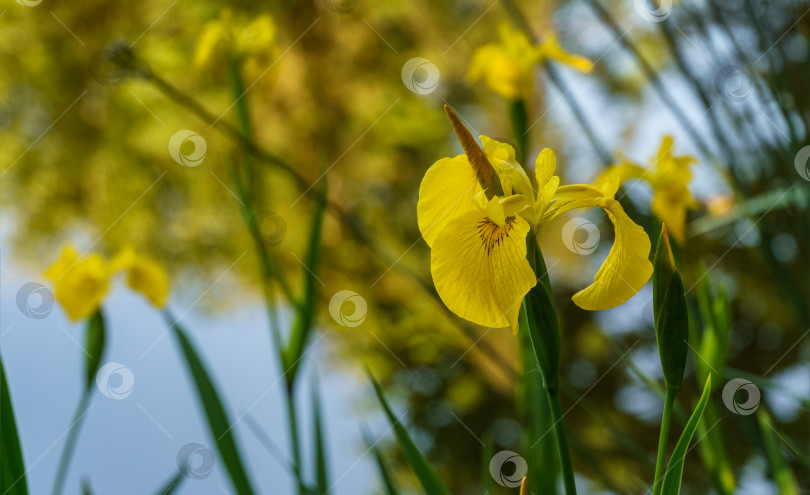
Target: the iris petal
(447, 191)
(480, 269)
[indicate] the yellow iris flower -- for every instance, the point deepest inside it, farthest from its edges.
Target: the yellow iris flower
(144, 275)
(476, 210)
(669, 178)
(81, 283)
(507, 66)
(254, 43)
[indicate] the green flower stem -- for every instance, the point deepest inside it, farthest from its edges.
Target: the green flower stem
(519, 116)
(661, 460)
(70, 444)
(295, 444)
(563, 451)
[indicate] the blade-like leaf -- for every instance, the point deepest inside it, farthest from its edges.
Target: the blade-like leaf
(428, 478)
(12, 467)
(672, 478)
(784, 477)
(386, 476)
(218, 422)
(305, 314)
(173, 484)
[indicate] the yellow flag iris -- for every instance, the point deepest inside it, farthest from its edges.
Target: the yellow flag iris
(506, 67)
(669, 178)
(476, 210)
(81, 282)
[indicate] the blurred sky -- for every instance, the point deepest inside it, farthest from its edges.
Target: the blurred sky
(130, 445)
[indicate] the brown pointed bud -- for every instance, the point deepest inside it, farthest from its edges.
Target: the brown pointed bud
(478, 159)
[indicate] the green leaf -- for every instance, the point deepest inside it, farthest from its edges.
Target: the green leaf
(218, 422)
(539, 447)
(321, 469)
(428, 478)
(12, 466)
(173, 484)
(305, 314)
(95, 336)
(671, 314)
(386, 476)
(784, 477)
(672, 478)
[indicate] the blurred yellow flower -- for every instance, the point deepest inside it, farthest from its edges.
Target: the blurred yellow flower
(144, 275)
(669, 177)
(476, 223)
(507, 66)
(79, 284)
(253, 44)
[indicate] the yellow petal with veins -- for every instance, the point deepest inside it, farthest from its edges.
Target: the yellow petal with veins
(480, 269)
(447, 191)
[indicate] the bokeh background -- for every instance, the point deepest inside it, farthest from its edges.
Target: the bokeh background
(85, 154)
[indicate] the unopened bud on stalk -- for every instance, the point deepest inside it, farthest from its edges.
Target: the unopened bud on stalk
(670, 313)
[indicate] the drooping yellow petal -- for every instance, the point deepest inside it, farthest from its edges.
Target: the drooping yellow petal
(625, 270)
(551, 49)
(620, 172)
(480, 269)
(447, 191)
(671, 210)
(79, 284)
(144, 275)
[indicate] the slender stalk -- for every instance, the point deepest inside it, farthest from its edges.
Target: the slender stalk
(660, 462)
(295, 444)
(563, 451)
(70, 444)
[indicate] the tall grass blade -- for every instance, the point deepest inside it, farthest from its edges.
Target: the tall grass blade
(218, 422)
(428, 478)
(672, 478)
(12, 466)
